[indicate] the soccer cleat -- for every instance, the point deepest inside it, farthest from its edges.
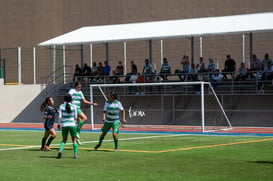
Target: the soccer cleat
(97, 147)
(75, 157)
(42, 148)
(116, 150)
(47, 148)
(78, 142)
(59, 155)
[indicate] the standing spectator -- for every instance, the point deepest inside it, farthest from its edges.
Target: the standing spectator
(94, 71)
(111, 119)
(267, 75)
(147, 69)
(230, 67)
(47, 107)
(68, 117)
(211, 67)
(133, 67)
(77, 72)
(165, 69)
(182, 74)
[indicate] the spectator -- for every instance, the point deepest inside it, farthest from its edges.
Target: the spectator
(165, 69)
(193, 73)
(77, 72)
(115, 79)
(255, 66)
(230, 66)
(86, 72)
(216, 78)
(267, 76)
(265, 60)
(94, 69)
(133, 67)
(147, 69)
(119, 69)
(241, 74)
(182, 74)
(106, 68)
(201, 65)
(211, 67)
(100, 72)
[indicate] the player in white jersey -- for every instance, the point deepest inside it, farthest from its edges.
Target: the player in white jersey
(77, 98)
(67, 118)
(111, 119)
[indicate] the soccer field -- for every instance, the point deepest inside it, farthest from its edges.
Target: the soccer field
(141, 157)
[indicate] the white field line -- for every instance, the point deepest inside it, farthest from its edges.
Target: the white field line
(123, 139)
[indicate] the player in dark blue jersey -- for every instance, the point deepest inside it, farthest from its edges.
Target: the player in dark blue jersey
(47, 107)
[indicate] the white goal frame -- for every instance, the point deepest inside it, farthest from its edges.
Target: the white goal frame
(201, 83)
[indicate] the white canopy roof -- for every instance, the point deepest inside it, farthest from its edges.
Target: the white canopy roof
(247, 23)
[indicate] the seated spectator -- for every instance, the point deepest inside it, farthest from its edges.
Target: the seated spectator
(267, 76)
(106, 68)
(119, 69)
(216, 78)
(230, 67)
(193, 73)
(265, 60)
(241, 73)
(100, 73)
(255, 66)
(114, 78)
(165, 69)
(201, 65)
(77, 72)
(94, 69)
(86, 72)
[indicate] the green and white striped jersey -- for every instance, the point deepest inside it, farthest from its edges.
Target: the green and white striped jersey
(77, 96)
(65, 118)
(112, 111)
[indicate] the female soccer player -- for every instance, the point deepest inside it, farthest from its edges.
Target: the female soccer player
(77, 97)
(67, 118)
(47, 107)
(111, 118)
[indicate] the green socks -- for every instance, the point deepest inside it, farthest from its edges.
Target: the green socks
(80, 124)
(75, 148)
(116, 143)
(62, 146)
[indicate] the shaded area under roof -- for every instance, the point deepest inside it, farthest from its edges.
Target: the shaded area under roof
(247, 23)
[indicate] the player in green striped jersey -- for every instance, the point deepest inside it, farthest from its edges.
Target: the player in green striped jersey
(67, 118)
(77, 98)
(111, 118)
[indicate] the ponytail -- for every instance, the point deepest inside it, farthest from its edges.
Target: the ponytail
(68, 99)
(43, 105)
(68, 108)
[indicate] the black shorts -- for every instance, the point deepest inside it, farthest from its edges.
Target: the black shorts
(48, 125)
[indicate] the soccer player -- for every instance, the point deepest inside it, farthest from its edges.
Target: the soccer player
(111, 118)
(68, 118)
(77, 97)
(47, 107)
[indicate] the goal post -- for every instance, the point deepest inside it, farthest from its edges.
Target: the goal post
(189, 105)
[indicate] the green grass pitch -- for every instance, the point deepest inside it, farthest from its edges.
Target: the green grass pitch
(141, 157)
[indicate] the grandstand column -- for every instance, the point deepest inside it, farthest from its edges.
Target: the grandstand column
(19, 65)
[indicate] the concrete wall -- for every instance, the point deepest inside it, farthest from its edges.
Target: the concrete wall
(15, 99)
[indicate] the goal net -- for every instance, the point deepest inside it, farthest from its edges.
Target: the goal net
(189, 106)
